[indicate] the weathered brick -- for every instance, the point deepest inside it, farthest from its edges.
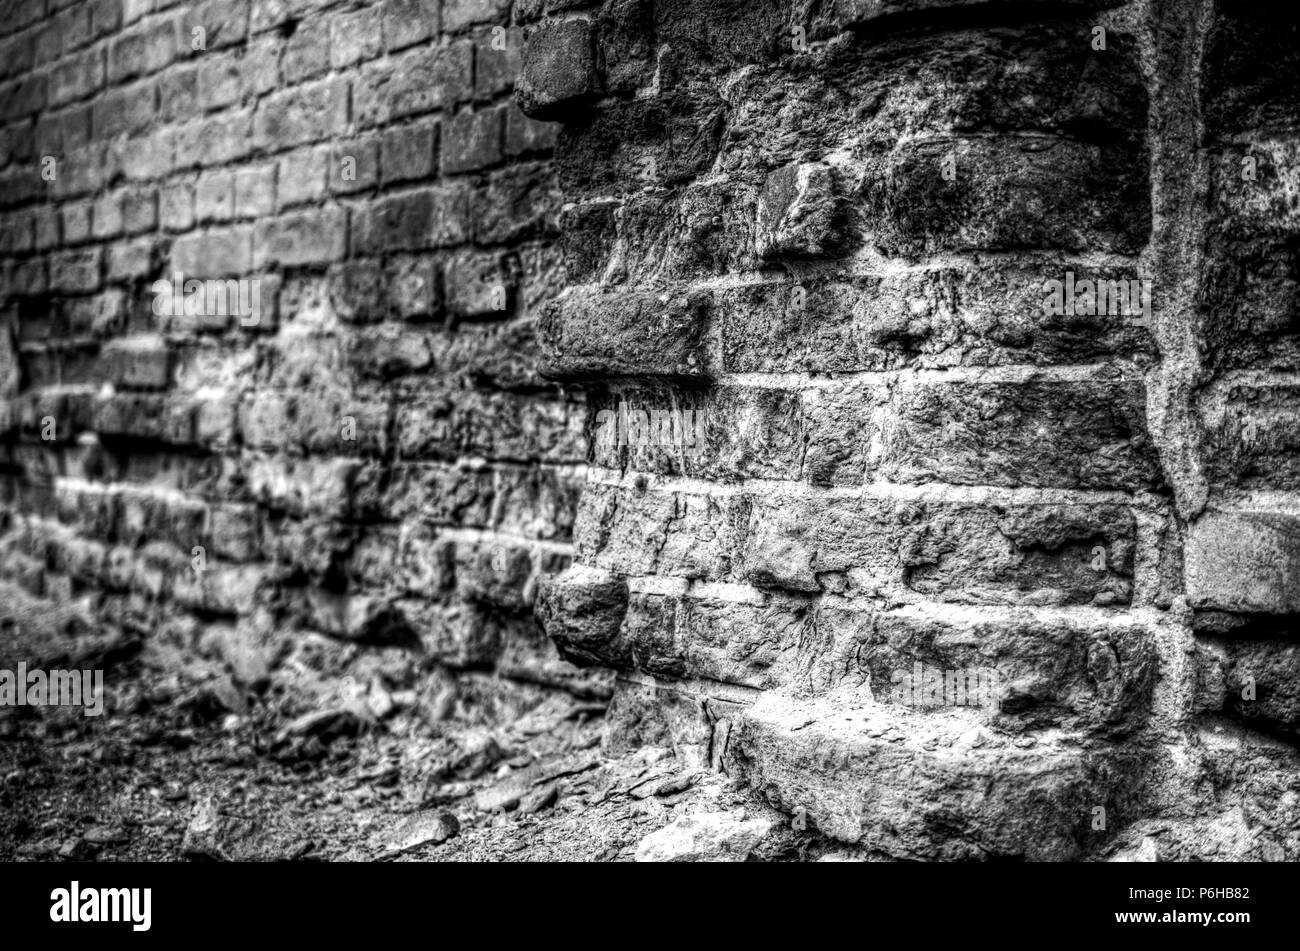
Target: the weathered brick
(407, 22)
(305, 114)
(413, 286)
(1245, 560)
(127, 109)
(472, 141)
(586, 332)
(220, 80)
(214, 197)
(498, 62)
(355, 36)
(459, 14)
(354, 166)
(302, 176)
(214, 253)
(76, 77)
(141, 363)
(76, 271)
(130, 260)
(1083, 433)
(559, 69)
(144, 49)
(417, 81)
(408, 152)
(254, 191)
(307, 53)
(314, 237)
(176, 206)
(222, 22)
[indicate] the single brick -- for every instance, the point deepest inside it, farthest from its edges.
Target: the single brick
(472, 141)
(144, 49)
(216, 253)
(261, 65)
(300, 115)
(407, 22)
(145, 159)
(127, 109)
(131, 260)
(302, 176)
(307, 53)
(354, 166)
(76, 271)
(1245, 561)
(178, 93)
(108, 215)
(137, 363)
(214, 196)
(559, 69)
(408, 152)
(585, 332)
(46, 228)
(397, 222)
(309, 237)
(222, 22)
(255, 191)
(220, 80)
(417, 81)
(498, 62)
(354, 36)
(451, 215)
(1081, 433)
(176, 206)
(412, 286)
(457, 15)
(76, 221)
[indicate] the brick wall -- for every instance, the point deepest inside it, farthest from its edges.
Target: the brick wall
(363, 473)
(829, 231)
(808, 405)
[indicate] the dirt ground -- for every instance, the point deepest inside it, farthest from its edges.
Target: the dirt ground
(506, 771)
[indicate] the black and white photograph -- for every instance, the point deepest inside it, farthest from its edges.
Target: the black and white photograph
(558, 432)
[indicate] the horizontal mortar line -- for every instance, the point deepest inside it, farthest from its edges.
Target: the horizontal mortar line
(1008, 373)
(53, 389)
(1083, 613)
(693, 687)
(461, 464)
(159, 492)
(1261, 138)
(704, 590)
(1261, 378)
(925, 492)
(487, 535)
(739, 593)
(575, 470)
(54, 526)
(1263, 501)
(989, 134)
(1042, 265)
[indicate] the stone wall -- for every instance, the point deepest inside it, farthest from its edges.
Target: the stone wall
(760, 349)
(861, 243)
(363, 474)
